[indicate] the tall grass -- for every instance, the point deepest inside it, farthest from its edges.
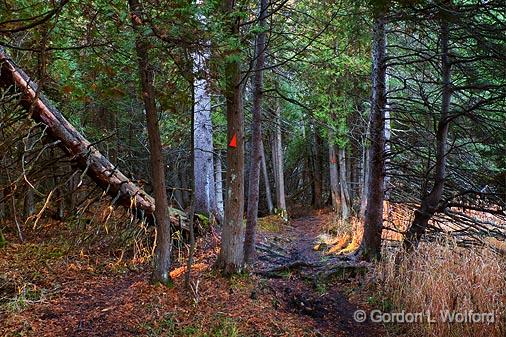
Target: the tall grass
(440, 277)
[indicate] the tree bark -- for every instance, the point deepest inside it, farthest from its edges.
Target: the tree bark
(256, 139)
(218, 180)
(231, 256)
(430, 203)
(203, 168)
(277, 154)
(335, 193)
(373, 223)
(267, 185)
(343, 185)
(317, 170)
(163, 236)
(388, 134)
(364, 173)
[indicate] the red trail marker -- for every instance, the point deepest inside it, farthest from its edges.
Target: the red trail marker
(233, 142)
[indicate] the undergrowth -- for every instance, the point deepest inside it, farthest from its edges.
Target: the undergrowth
(169, 326)
(441, 278)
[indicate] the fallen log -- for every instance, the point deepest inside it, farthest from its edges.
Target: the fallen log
(83, 153)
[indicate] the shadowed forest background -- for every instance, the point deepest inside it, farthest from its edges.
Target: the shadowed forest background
(252, 168)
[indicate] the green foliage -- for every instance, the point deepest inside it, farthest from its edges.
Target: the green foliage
(168, 325)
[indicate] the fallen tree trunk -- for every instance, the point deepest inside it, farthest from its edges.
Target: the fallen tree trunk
(87, 157)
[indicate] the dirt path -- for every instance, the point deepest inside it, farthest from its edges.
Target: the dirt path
(298, 287)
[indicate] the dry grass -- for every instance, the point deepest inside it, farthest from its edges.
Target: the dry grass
(440, 277)
(342, 237)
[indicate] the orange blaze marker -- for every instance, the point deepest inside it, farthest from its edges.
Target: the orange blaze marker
(233, 142)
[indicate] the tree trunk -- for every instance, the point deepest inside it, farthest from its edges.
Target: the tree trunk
(203, 168)
(371, 243)
(256, 139)
(335, 193)
(163, 236)
(231, 257)
(364, 174)
(388, 134)
(218, 180)
(268, 193)
(317, 170)
(277, 155)
(343, 185)
(430, 203)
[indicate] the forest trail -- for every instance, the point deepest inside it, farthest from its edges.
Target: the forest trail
(293, 267)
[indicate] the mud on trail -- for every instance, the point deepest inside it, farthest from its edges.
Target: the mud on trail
(47, 289)
(299, 277)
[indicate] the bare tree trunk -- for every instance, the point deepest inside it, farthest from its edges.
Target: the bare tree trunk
(163, 236)
(256, 139)
(274, 156)
(231, 257)
(218, 180)
(335, 193)
(388, 134)
(364, 174)
(353, 175)
(349, 181)
(371, 242)
(343, 184)
(203, 168)
(268, 193)
(430, 203)
(277, 155)
(317, 170)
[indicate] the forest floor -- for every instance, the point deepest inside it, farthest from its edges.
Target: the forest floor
(49, 289)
